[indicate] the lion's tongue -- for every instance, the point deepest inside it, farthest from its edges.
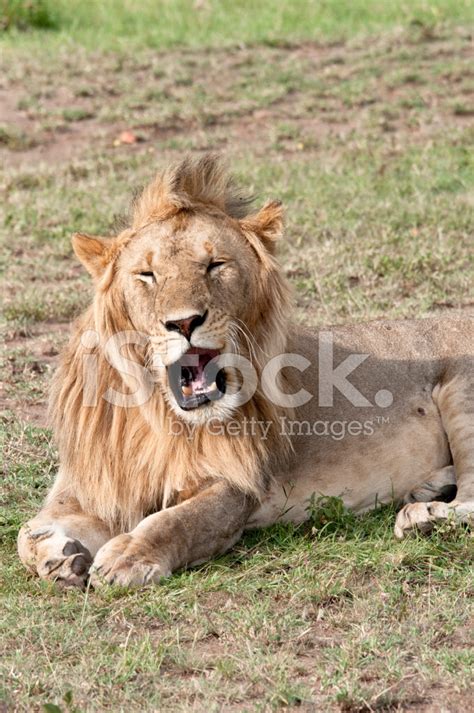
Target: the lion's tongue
(194, 379)
(196, 384)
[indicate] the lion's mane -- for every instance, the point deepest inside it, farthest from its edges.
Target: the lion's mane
(124, 463)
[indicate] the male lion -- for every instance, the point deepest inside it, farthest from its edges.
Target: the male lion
(241, 415)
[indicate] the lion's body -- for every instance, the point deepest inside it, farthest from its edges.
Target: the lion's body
(373, 454)
(159, 471)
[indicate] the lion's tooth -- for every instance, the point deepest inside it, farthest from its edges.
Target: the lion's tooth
(187, 390)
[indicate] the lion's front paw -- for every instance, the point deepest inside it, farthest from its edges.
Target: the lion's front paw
(127, 561)
(48, 552)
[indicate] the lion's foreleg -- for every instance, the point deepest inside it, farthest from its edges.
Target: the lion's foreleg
(455, 400)
(61, 541)
(202, 527)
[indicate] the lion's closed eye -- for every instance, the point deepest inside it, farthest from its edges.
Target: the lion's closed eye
(215, 264)
(147, 276)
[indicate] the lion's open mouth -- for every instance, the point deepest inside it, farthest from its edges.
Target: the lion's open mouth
(196, 379)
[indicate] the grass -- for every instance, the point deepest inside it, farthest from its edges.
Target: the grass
(217, 23)
(25, 14)
(333, 613)
(368, 144)
(14, 139)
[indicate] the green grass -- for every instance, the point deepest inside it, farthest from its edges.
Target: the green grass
(26, 14)
(368, 143)
(167, 23)
(15, 139)
(333, 613)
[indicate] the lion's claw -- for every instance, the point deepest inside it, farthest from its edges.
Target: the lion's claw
(127, 562)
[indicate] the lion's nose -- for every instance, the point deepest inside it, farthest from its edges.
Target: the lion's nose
(186, 326)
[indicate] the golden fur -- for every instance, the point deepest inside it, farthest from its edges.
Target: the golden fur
(121, 485)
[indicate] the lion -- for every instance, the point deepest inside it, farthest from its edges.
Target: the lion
(190, 406)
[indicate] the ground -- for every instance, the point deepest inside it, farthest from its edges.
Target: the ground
(368, 142)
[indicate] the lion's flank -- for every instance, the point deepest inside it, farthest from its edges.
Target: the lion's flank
(190, 184)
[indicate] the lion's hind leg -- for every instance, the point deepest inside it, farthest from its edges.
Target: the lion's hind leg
(60, 542)
(441, 485)
(455, 400)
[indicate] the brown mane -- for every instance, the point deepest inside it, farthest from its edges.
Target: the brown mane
(191, 184)
(124, 463)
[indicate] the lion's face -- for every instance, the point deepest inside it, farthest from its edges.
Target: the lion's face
(195, 274)
(190, 284)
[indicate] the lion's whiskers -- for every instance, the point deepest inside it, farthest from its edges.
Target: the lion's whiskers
(250, 336)
(239, 330)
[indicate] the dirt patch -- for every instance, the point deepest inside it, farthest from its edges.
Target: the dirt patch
(439, 700)
(334, 91)
(28, 364)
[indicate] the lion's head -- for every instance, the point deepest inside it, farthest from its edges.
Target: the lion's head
(196, 275)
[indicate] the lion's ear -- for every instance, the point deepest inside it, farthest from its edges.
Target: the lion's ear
(267, 224)
(94, 252)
